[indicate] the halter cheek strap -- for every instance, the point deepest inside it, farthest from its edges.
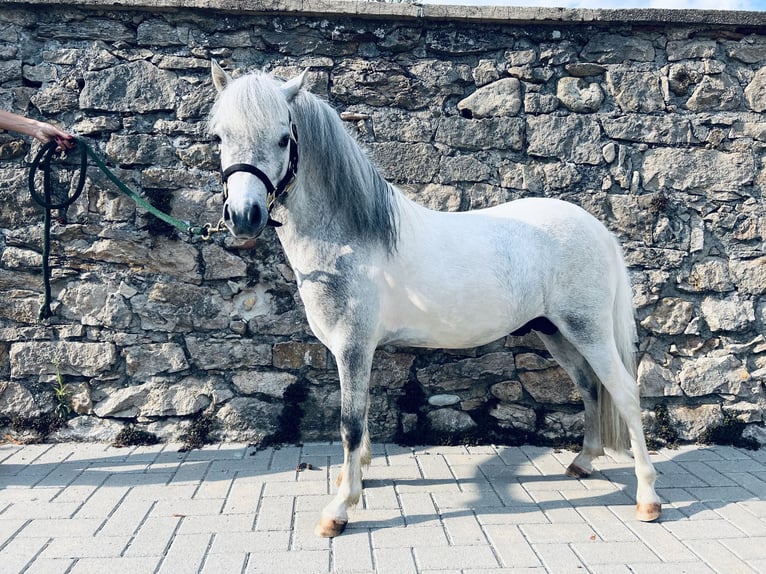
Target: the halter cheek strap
(273, 193)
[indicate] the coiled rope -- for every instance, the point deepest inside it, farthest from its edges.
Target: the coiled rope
(42, 163)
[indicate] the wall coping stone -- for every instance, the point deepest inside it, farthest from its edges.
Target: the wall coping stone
(415, 11)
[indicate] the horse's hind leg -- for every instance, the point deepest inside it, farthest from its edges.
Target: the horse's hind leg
(354, 366)
(570, 359)
(606, 363)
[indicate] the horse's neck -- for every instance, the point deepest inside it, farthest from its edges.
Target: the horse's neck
(339, 196)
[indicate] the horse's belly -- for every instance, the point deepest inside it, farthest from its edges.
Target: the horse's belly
(456, 322)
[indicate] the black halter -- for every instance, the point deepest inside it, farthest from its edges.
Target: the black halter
(273, 193)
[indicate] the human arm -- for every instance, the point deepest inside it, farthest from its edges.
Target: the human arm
(42, 131)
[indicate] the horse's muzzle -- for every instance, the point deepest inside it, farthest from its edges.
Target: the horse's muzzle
(246, 222)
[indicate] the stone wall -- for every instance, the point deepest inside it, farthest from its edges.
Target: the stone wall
(652, 121)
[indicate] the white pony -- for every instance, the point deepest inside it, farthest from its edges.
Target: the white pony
(375, 268)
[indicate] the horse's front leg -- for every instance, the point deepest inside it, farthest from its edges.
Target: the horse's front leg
(354, 366)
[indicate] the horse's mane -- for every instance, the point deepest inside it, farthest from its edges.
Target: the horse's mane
(341, 171)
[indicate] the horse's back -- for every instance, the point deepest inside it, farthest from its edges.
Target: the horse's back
(463, 279)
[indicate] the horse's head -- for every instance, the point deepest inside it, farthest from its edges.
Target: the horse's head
(251, 118)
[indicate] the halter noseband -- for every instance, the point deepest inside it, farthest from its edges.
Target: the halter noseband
(273, 193)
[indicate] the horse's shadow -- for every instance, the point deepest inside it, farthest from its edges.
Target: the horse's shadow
(508, 493)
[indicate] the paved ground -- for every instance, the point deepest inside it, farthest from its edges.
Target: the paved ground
(74, 508)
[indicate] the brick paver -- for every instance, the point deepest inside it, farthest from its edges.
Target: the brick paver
(74, 508)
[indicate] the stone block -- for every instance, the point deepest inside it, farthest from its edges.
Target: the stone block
(41, 358)
(296, 355)
(500, 98)
(569, 138)
(133, 87)
(703, 376)
(142, 361)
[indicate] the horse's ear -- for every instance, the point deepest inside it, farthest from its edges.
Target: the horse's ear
(220, 77)
(291, 88)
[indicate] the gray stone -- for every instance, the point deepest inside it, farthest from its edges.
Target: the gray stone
(650, 129)
(450, 422)
(16, 400)
(731, 314)
(464, 168)
(391, 370)
(507, 391)
(64, 357)
(461, 375)
(273, 384)
(481, 134)
(710, 275)
(749, 275)
(438, 197)
(80, 398)
(88, 429)
(635, 92)
(164, 256)
(500, 98)
(179, 400)
(227, 354)
(511, 416)
(703, 376)
(406, 163)
(756, 432)
(154, 400)
(569, 138)
(139, 149)
(55, 98)
(181, 307)
(443, 400)
(584, 69)
(655, 380)
(755, 92)
(686, 49)
(154, 32)
(671, 316)
(615, 49)
(485, 73)
(747, 50)
(696, 170)
(134, 87)
(17, 258)
(550, 386)
(579, 95)
(558, 425)
(222, 264)
(152, 359)
(715, 93)
(691, 422)
(248, 419)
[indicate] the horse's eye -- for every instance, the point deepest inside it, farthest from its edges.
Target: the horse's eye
(284, 141)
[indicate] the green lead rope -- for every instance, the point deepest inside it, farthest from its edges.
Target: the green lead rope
(42, 162)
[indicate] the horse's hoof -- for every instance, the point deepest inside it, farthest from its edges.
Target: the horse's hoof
(329, 528)
(574, 471)
(648, 512)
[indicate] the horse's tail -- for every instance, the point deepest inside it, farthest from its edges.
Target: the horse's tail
(614, 431)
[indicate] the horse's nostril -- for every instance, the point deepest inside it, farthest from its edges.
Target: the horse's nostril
(254, 216)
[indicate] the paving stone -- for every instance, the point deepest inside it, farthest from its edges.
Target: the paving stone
(186, 554)
(352, 551)
(457, 557)
(596, 552)
(395, 561)
(224, 511)
(308, 561)
(219, 563)
(117, 565)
